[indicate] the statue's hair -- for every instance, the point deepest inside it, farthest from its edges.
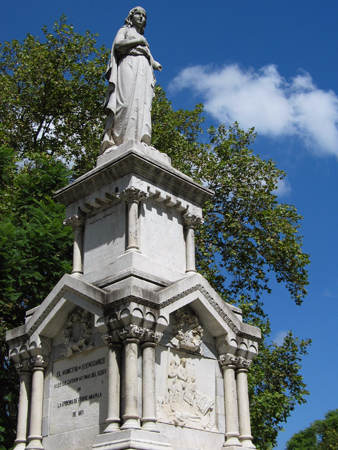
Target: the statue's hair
(128, 21)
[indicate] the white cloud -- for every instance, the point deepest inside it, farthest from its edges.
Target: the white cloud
(266, 100)
(283, 188)
(279, 338)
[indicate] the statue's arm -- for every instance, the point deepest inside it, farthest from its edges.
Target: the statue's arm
(155, 65)
(122, 43)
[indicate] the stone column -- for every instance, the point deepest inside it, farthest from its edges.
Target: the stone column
(190, 222)
(114, 375)
(149, 418)
(77, 222)
(132, 337)
(243, 402)
(133, 196)
(38, 365)
(25, 388)
(228, 363)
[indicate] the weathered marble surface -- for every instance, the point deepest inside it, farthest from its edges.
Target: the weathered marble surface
(130, 73)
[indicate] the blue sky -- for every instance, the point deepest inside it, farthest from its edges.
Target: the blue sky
(268, 64)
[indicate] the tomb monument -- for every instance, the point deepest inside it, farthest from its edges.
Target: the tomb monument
(133, 350)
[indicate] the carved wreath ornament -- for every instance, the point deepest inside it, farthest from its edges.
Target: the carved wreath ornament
(78, 332)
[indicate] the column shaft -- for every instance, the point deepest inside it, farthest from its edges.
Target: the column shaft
(35, 426)
(131, 417)
(231, 408)
(190, 249)
(244, 409)
(113, 419)
(133, 225)
(78, 252)
(22, 425)
(148, 388)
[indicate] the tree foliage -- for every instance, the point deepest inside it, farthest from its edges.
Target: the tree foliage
(50, 108)
(320, 435)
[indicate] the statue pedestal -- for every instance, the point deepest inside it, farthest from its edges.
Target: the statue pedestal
(134, 350)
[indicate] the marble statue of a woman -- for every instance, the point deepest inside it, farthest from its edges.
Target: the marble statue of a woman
(131, 84)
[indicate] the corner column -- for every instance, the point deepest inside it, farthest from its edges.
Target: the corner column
(190, 221)
(228, 363)
(25, 388)
(38, 365)
(115, 347)
(149, 417)
(243, 402)
(77, 222)
(133, 196)
(132, 338)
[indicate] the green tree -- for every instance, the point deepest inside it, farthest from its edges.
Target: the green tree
(320, 435)
(52, 119)
(35, 251)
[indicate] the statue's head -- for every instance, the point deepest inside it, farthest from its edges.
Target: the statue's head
(129, 19)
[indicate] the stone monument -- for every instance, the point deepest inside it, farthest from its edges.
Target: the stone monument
(134, 350)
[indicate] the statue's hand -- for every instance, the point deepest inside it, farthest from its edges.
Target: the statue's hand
(157, 66)
(143, 41)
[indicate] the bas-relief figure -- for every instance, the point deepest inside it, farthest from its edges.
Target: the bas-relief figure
(184, 404)
(189, 332)
(130, 73)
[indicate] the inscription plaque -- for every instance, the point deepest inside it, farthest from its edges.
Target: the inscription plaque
(79, 391)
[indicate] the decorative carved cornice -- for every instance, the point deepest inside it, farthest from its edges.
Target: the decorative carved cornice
(191, 220)
(133, 194)
(76, 222)
(228, 359)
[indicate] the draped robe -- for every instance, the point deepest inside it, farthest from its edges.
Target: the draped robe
(130, 94)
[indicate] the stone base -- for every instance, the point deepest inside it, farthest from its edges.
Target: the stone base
(132, 440)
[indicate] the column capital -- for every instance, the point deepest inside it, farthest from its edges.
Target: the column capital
(151, 337)
(192, 220)
(228, 359)
(76, 222)
(133, 195)
(243, 363)
(112, 338)
(23, 367)
(132, 331)
(38, 362)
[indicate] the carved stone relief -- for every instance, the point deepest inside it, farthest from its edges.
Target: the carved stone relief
(184, 404)
(78, 332)
(188, 332)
